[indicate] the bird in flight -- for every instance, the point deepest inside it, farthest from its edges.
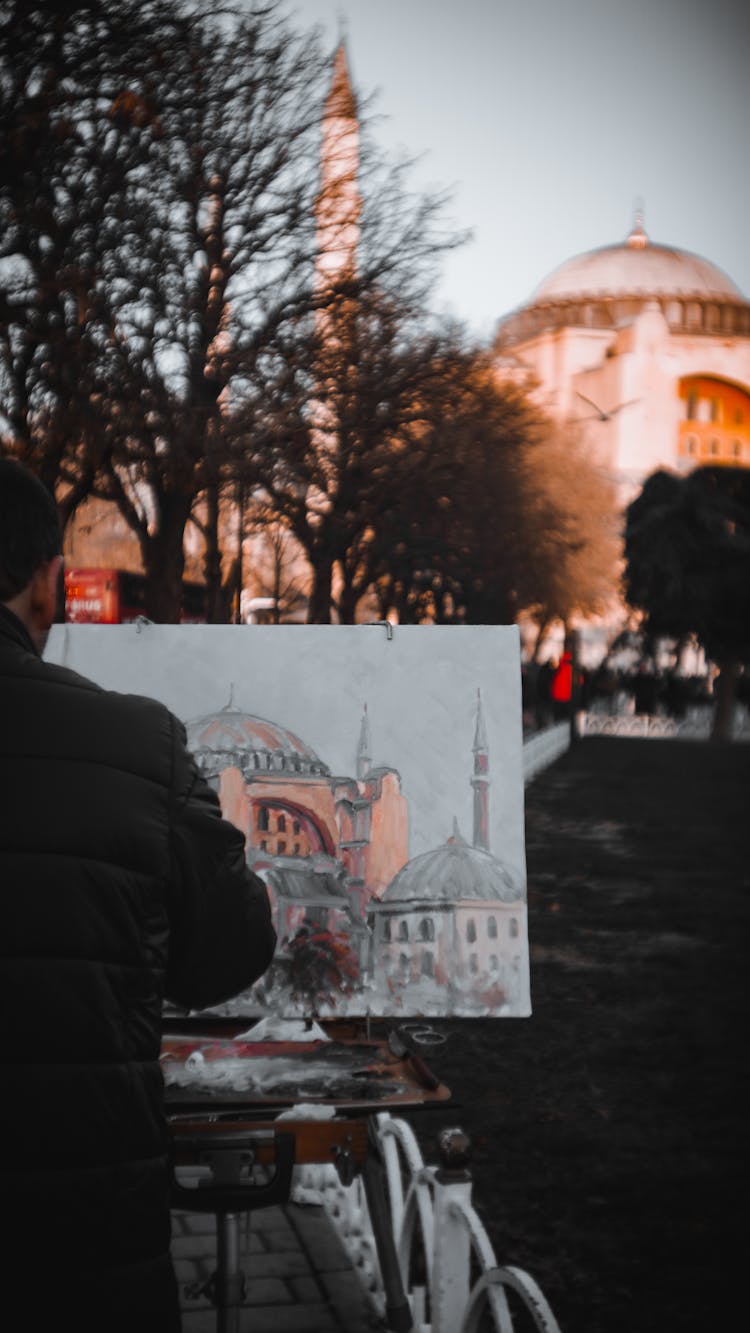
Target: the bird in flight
(599, 411)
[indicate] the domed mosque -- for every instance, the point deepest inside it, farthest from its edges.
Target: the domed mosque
(449, 932)
(316, 839)
(647, 349)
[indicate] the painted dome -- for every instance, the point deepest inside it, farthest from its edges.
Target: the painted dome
(453, 872)
(233, 732)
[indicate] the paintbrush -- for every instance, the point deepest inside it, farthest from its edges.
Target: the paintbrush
(402, 1048)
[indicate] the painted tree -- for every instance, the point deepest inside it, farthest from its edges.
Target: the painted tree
(687, 551)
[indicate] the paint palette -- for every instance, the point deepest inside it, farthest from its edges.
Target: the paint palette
(204, 1070)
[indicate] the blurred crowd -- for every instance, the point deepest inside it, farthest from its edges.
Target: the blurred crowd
(548, 686)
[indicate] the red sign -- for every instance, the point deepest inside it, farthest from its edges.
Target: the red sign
(92, 597)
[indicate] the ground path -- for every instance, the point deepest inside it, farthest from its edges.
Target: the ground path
(610, 1129)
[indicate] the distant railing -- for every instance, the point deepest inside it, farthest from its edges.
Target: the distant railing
(456, 1282)
(695, 725)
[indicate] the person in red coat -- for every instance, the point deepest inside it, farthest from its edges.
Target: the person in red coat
(561, 686)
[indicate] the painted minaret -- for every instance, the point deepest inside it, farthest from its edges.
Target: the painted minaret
(481, 781)
(364, 749)
(339, 204)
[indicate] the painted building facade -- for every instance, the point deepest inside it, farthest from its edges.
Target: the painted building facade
(324, 845)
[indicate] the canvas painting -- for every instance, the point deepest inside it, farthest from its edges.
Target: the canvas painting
(376, 776)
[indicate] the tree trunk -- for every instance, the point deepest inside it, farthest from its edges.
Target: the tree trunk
(163, 557)
(725, 690)
(348, 604)
(215, 600)
(319, 608)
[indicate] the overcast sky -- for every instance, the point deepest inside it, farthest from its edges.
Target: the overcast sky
(552, 119)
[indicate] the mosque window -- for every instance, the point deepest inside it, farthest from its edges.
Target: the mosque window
(471, 930)
(296, 828)
(263, 821)
(296, 849)
(492, 927)
(281, 824)
(403, 930)
(737, 449)
(674, 313)
(693, 315)
(428, 964)
(387, 928)
(427, 929)
(715, 409)
(264, 845)
(403, 965)
(513, 928)
(691, 444)
(494, 963)
(474, 964)
(692, 405)
(715, 448)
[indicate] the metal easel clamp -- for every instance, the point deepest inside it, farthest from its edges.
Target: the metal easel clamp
(229, 1157)
(384, 624)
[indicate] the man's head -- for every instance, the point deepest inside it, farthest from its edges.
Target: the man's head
(30, 549)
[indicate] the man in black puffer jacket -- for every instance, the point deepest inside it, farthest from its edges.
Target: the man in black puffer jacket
(120, 886)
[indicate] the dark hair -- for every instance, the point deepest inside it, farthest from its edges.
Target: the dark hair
(30, 533)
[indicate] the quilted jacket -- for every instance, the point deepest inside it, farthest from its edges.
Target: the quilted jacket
(120, 885)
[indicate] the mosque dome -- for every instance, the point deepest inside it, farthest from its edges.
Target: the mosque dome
(636, 267)
(453, 872)
(217, 737)
(604, 288)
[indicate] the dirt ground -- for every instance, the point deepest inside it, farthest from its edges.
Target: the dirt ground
(610, 1129)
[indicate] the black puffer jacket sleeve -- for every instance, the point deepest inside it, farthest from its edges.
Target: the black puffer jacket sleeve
(221, 936)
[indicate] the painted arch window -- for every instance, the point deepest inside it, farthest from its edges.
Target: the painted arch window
(263, 821)
(471, 930)
(428, 964)
(387, 928)
(281, 824)
(403, 930)
(492, 927)
(513, 928)
(427, 929)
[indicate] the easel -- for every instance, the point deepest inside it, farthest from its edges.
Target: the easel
(229, 1138)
